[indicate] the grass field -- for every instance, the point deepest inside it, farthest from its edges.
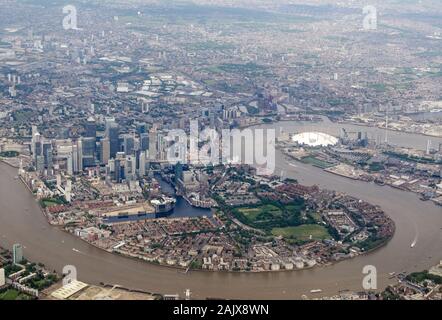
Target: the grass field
(303, 233)
(253, 214)
(49, 202)
(294, 208)
(13, 294)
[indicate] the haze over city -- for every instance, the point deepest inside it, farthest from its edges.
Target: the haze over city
(220, 150)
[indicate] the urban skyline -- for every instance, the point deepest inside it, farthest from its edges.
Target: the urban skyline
(207, 144)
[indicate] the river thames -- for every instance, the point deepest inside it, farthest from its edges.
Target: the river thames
(21, 221)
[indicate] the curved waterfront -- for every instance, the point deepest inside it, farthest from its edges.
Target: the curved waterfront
(397, 138)
(22, 221)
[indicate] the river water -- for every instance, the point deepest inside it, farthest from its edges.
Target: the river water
(395, 138)
(21, 221)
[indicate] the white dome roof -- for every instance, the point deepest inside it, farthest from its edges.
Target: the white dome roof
(315, 139)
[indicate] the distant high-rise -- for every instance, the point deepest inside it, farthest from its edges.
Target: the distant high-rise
(142, 164)
(112, 133)
(41, 152)
(37, 151)
(128, 144)
(90, 128)
(75, 158)
(144, 141)
(153, 144)
(40, 163)
(105, 150)
(36, 146)
(88, 152)
(17, 253)
(130, 168)
(79, 155)
(69, 165)
(117, 171)
(47, 154)
(161, 147)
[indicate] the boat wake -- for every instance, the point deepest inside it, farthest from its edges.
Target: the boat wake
(413, 244)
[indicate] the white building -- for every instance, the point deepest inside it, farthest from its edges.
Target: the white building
(315, 139)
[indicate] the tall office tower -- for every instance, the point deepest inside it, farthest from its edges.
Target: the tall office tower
(69, 165)
(153, 144)
(88, 152)
(90, 128)
(144, 141)
(128, 144)
(37, 149)
(2, 277)
(137, 159)
(36, 140)
(142, 164)
(40, 164)
(47, 154)
(75, 158)
(68, 191)
(112, 133)
(130, 168)
(133, 165)
(17, 253)
(117, 171)
(105, 151)
(36, 146)
(80, 155)
(161, 147)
